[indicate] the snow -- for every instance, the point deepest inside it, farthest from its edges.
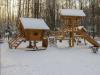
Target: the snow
(72, 12)
(53, 61)
(80, 27)
(62, 44)
(34, 23)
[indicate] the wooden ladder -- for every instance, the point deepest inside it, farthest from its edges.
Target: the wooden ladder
(15, 42)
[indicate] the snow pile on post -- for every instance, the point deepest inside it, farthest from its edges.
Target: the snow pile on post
(72, 12)
(34, 23)
(80, 27)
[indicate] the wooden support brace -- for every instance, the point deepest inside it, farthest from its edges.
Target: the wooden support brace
(71, 41)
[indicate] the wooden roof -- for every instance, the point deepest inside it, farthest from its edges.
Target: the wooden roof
(34, 23)
(72, 12)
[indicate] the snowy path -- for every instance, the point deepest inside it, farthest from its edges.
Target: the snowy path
(53, 61)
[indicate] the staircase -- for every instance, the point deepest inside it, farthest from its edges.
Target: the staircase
(15, 42)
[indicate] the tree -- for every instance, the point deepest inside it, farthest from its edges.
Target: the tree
(36, 8)
(50, 4)
(49, 11)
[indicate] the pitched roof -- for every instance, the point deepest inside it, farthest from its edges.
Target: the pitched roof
(34, 23)
(72, 12)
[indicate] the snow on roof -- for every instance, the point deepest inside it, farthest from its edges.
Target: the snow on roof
(72, 12)
(34, 23)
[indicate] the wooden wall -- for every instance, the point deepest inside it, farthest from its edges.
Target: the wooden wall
(31, 34)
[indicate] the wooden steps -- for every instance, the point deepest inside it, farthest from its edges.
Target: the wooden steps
(15, 42)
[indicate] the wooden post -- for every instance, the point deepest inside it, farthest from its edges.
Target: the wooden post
(45, 43)
(71, 41)
(71, 24)
(30, 45)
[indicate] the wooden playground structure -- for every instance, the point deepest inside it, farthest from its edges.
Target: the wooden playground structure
(35, 29)
(30, 29)
(71, 19)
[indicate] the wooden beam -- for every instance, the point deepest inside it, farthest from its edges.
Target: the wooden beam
(71, 41)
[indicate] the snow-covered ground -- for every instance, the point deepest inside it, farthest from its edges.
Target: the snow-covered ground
(53, 61)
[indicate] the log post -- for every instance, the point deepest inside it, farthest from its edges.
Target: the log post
(30, 44)
(71, 41)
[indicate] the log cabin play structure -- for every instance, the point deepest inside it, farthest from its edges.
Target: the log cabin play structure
(71, 19)
(31, 29)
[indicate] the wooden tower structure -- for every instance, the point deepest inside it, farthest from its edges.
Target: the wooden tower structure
(71, 19)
